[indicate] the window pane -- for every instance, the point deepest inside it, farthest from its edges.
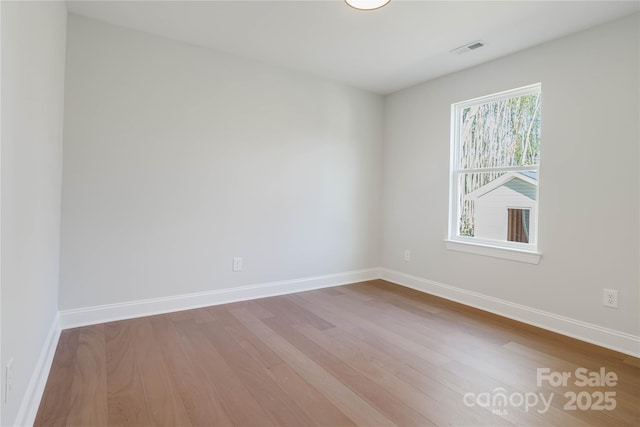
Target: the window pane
(518, 227)
(486, 200)
(501, 133)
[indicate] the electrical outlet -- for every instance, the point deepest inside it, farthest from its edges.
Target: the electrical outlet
(610, 298)
(237, 264)
(8, 380)
(407, 255)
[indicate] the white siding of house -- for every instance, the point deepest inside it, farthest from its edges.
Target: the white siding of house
(491, 216)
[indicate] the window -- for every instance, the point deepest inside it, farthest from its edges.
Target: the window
(495, 160)
(518, 225)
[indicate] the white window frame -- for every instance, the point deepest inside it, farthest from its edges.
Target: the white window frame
(524, 252)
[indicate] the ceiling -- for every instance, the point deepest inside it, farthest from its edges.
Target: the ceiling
(400, 45)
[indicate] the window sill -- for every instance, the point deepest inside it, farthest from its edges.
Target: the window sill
(512, 254)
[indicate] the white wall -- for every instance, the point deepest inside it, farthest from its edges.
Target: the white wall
(588, 229)
(177, 159)
(33, 59)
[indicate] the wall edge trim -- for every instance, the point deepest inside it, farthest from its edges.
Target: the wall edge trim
(28, 408)
(614, 340)
(127, 310)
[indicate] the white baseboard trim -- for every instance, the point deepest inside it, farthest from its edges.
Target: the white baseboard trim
(28, 409)
(128, 310)
(614, 340)
(609, 338)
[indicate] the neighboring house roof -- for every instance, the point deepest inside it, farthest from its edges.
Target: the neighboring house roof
(530, 177)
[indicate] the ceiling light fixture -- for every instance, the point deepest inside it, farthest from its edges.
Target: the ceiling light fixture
(367, 4)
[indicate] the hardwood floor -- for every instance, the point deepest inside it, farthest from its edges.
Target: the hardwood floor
(368, 354)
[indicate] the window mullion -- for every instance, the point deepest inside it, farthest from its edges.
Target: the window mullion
(499, 169)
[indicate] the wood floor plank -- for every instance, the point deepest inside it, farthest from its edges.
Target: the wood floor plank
(238, 403)
(444, 391)
(284, 309)
(252, 305)
(250, 344)
(368, 354)
(311, 401)
(392, 406)
(424, 403)
(124, 385)
(88, 391)
(356, 408)
(54, 406)
(263, 388)
(165, 406)
(351, 320)
(428, 327)
(197, 315)
(200, 398)
(534, 358)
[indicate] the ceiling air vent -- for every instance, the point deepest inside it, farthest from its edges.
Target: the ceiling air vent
(468, 47)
